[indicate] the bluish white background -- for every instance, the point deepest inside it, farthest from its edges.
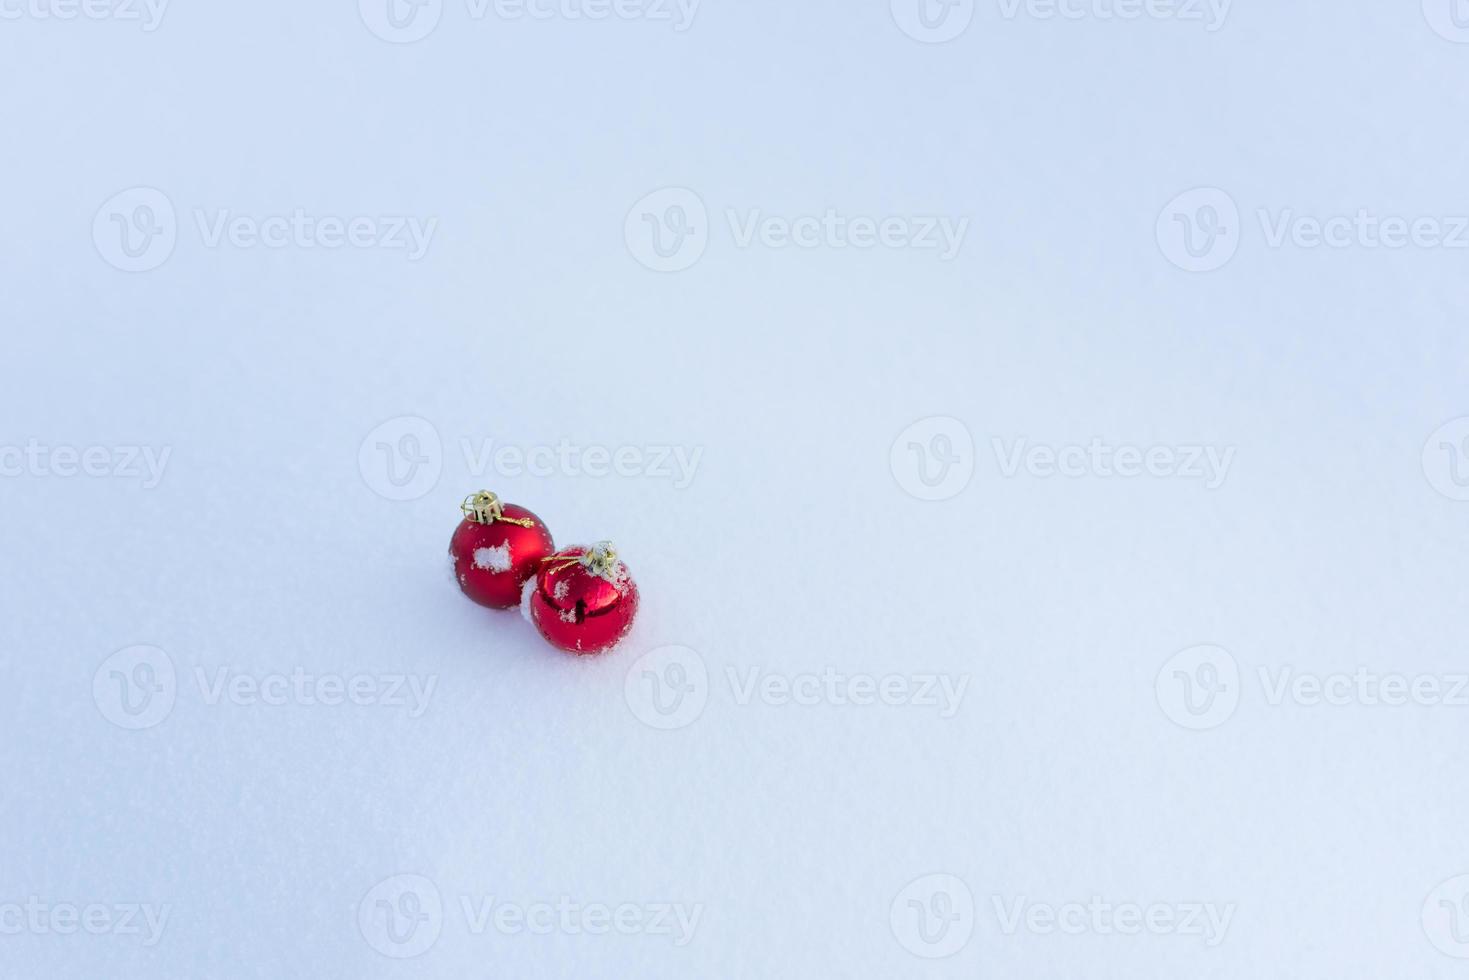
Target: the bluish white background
(812, 383)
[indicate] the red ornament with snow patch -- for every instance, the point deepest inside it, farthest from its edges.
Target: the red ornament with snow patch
(584, 599)
(496, 549)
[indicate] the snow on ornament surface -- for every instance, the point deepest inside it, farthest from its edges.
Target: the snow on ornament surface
(493, 559)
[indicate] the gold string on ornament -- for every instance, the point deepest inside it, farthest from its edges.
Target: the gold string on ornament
(485, 508)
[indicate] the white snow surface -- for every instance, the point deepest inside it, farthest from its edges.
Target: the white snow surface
(324, 760)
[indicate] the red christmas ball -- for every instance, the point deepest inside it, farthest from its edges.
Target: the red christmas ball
(496, 549)
(584, 599)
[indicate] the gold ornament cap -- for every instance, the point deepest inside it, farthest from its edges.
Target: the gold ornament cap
(483, 507)
(600, 559)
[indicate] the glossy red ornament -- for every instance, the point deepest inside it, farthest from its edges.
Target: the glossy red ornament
(496, 549)
(584, 599)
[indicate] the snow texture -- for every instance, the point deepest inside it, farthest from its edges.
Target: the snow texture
(873, 645)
